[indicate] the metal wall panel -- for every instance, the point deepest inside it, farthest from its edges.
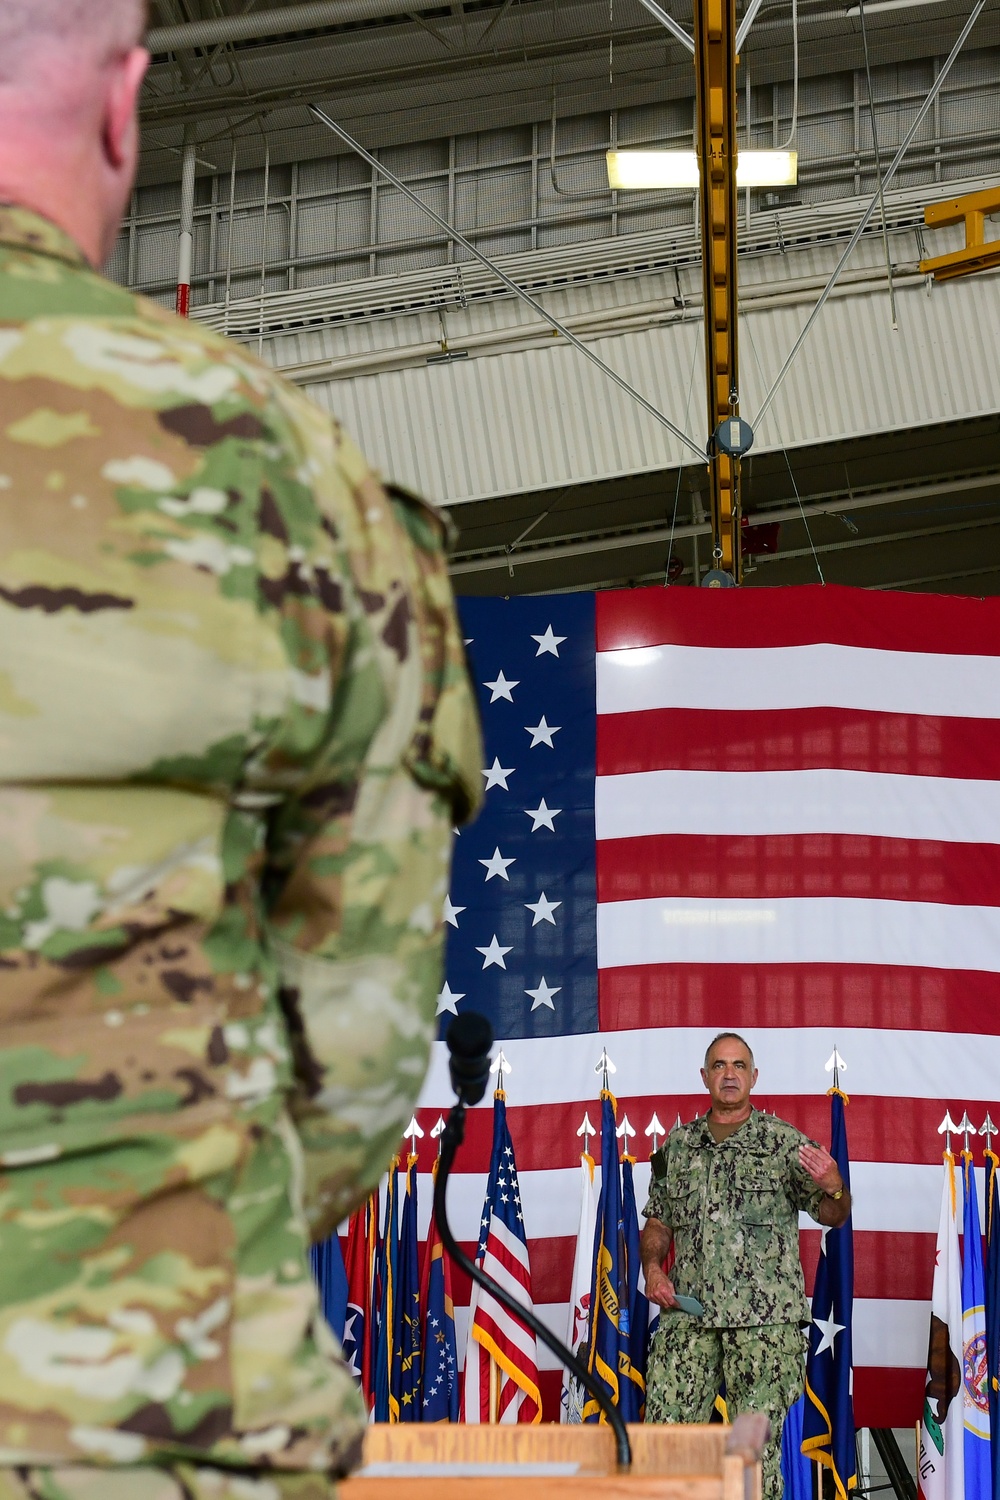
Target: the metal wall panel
(498, 182)
(544, 418)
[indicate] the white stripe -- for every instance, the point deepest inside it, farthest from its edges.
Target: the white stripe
(797, 930)
(893, 1064)
(514, 1247)
(490, 1311)
(757, 803)
(512, 1284)
(891, 1334)
(778, 677)
(891, 1197)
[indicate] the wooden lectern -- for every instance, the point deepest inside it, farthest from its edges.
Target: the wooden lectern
(550, 1462)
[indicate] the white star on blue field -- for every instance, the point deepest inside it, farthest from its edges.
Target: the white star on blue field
(521, 910)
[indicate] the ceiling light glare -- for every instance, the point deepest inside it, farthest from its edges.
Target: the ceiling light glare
(638, 170)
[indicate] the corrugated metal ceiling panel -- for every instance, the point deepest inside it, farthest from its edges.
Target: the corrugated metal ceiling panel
(545, 417)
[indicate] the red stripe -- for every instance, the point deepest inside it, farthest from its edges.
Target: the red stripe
(879, 1128)
(710, 866)
(550, 1388)
(888, 1398)
(551, 1272)
(898, 1267)
(849, 739)
(939, 624)
(890, 997)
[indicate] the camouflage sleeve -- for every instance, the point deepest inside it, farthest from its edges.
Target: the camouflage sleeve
(359, 849)
(802, 1191)
(657, 1203)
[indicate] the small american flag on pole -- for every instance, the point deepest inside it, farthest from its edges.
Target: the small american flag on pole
(501, 1360)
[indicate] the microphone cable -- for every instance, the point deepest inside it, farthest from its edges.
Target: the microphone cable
(469, 1039)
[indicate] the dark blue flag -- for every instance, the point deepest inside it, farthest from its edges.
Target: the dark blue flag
(638, 1307)
(993, 1311)
(828, 1417)
(331, 1279)
(610, 1359)
(384, 1408)
(441, 1384)
(405, 1382)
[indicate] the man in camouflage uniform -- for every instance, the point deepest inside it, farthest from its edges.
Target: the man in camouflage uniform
(726, 1193)
(235, 730)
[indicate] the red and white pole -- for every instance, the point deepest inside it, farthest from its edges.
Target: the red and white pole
(185, 243)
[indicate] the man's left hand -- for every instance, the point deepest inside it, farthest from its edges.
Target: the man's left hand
(821, 1168)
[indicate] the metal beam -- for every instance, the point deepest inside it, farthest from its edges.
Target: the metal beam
(258, 25)
(715, 132)
(749, 17)
(837, 504)
(674, 27)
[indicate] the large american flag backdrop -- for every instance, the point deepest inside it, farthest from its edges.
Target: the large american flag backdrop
(773, 810)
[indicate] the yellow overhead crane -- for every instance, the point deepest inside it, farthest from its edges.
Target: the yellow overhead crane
(715, 108)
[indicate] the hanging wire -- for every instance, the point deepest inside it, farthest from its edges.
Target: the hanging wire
(878, 168)
(795, 76)
(802, 513)
(677, 491)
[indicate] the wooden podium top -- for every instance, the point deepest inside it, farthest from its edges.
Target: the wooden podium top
(443, 1462)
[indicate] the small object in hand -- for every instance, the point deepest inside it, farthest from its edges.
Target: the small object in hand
(690, 1305)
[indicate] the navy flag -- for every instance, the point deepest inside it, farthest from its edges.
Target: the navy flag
(385, 1407)
(610, 1358)
(828, 1418)
(405, 1383)
(327, 1262)
(441, 1384)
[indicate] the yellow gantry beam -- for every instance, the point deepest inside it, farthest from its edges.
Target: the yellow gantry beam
(715, 99)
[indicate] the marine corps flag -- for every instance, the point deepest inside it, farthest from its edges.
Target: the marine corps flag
(610, 1353)
(942, 1436)
(828, 1414)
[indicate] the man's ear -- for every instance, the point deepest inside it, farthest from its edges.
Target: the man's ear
(704, 1077)
(121, 109)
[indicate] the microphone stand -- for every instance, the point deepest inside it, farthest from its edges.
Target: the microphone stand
(451, 1138)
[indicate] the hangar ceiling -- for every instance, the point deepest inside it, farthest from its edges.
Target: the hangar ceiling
(540, 81)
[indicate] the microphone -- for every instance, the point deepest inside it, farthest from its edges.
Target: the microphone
(469, 1038)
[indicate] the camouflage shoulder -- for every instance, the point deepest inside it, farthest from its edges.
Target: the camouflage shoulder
(783, 1134)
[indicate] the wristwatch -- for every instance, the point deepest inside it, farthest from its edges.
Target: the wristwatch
(837, 1195)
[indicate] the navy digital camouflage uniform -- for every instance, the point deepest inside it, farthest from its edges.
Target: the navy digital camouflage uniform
(733, 1209)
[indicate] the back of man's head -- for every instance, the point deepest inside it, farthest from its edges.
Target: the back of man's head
(34, 33)
(70, 72)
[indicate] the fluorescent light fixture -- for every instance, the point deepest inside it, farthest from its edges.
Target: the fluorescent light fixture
(767, 169)
(679, 169)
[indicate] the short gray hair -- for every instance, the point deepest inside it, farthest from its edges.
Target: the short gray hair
(724, 1036)
(111, 26)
